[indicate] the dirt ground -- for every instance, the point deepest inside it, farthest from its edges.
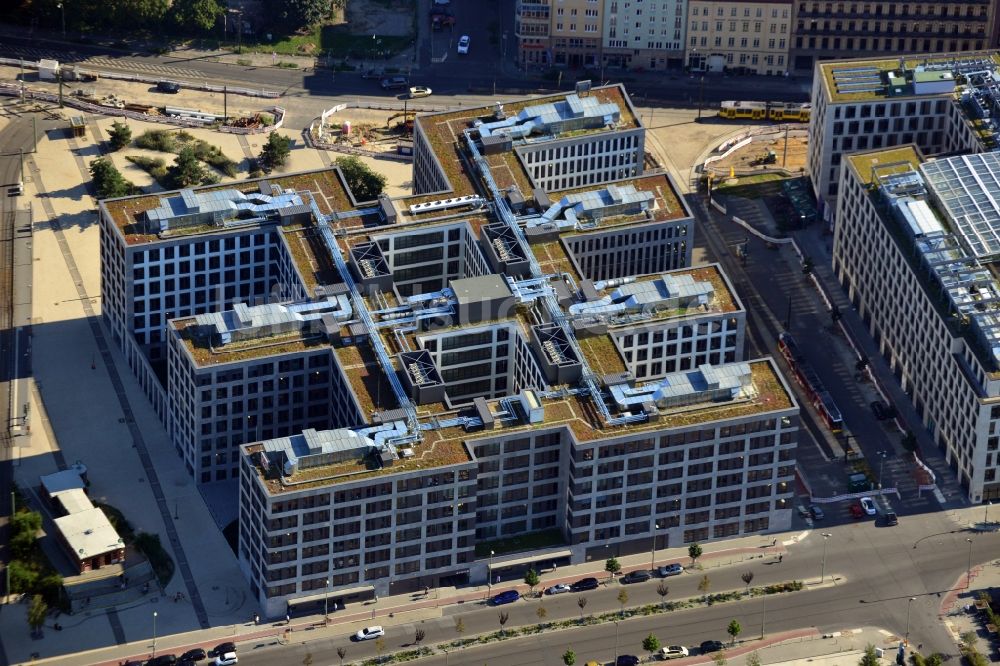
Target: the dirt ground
(794, 160)
(386, 17)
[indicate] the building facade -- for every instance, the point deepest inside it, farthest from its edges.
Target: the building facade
(744, 37)
(829, 30)
(644, 35)
(924, 282)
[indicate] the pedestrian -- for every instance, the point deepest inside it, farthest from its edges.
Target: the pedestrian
(780, 558)
(288, 618)
(774, 542)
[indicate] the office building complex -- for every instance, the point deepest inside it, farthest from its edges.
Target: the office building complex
(827, 30)
(520, 347)
(740, 36)
(942, 104)
(916, 246)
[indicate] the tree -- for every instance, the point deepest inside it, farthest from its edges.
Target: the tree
(835, 314)
(694, 552)
(581, 603)
(542, 613)
(663, 590)
(747, 578)
(459, 626)
(869, 658)
(734, 629)
(969, 639)
(341, 652)
(704, 584)
(22, 577)
(275, 152)
(195, 15)
(531, 579)
(807, 266)
(308, 659)
(418, 636)
(37, 612)
(651, 644)
(720, 658)
(623, 599)
(362, 181)
(612, 566)
(908, 441)
(753, 659)
(294, 14)
(503, 617)
(569, 657)
(861, 364)
(108, 181)
(120, 135)
(186, 169)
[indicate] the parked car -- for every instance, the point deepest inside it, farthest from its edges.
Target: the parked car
(584, 584)
(226, 659)
(168, 86)
(670, 570)
(673, 652)
(162, 660)
(640, 576)
(192, 656)
(627, 660)
(507, 597)
(558, 589)
(816, 512)
(223, 648)
(711, 646)
(442, 2)
(373, 74)
(369, 633)
(395, 83)
(891, 518)
(868, 504)
(881, 410)
(419, 91)
(463, 44)
(857, 511)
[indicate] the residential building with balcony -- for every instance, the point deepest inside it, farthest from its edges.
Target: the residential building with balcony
(739, 36)
(644, 35)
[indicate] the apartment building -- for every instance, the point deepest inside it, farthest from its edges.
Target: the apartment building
(532, 30)
(744, 37)
(939, 103)
(644, 35)
(825, 30)
(915, 247)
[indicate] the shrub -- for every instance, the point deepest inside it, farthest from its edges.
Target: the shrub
(150, 546)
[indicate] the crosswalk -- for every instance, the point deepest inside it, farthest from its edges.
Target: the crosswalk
(98, 62)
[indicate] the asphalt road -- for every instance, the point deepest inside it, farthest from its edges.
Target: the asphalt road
(878, 569)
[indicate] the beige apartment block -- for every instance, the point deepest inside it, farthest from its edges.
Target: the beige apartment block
(558, 32)
(745, 37)
(644, 35)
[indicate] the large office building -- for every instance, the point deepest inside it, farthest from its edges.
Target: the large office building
(520, 347)
(916, 247)
(739, 36)
(941, 103)
(825, 30)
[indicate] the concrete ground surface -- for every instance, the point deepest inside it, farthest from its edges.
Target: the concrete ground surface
(89, 410)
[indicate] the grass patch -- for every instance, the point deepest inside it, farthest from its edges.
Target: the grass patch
(154, 166)
(287, 65)
(333, 40)
(150, 546)
(171, 141)
(530, 541)
(753, 187)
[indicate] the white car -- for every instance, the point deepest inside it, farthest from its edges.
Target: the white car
(227, 659)
(557, 589)
(420, 91)
(463, 44)
(369, 632)
(868, 504)
(673, 652)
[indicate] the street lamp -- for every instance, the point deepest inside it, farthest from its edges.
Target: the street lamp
(882, 454)
(154, 633)
(62, 9)
(489, 574)
(326, 602)
(822, 575)
(906, 637)
(763, 613)
(616, 643)
(968, 571)
(652, 555)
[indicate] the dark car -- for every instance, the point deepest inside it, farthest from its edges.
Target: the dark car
(816, 512)
(168, 86)
(881, 410)
(627, 660)
(162, 660)
(891, 518)
(712, 646)
(508, 597)
(223, 648)
(191, 656)
(395, 83)
(584, 584)
(636, 577)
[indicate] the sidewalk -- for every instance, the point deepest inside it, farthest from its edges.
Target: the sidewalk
(407, 608)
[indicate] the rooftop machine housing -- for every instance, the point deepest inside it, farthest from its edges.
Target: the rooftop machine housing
(686, 389)
(552, 118)
(503, 250)
(245, 322)
(370, 266)
(483, 298)
(557, 359)
(225, 208)
(421, 377)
